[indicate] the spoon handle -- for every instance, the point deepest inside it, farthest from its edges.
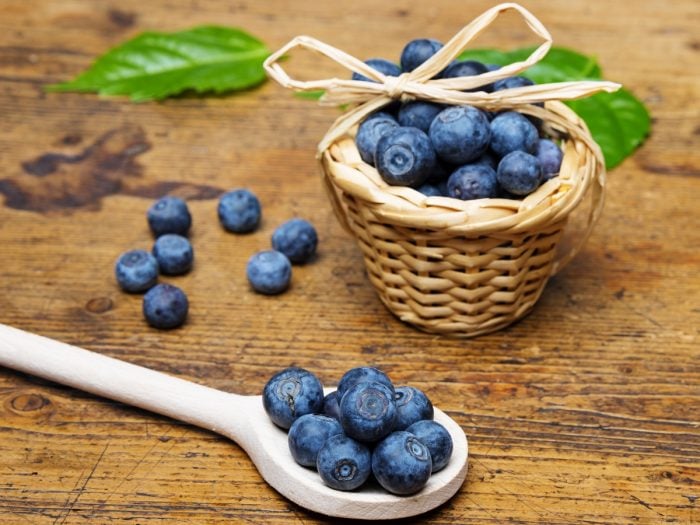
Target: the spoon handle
(134, 385)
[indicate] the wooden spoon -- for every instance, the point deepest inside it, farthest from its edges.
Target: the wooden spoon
(240, 418)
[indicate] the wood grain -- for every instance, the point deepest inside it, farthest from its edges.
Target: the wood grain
(586, 411)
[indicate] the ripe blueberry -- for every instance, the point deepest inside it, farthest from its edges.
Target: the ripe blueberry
(418, 114)
(401, 463)
(239, 211)
(343, 463)
(411, 405)
(331, 407)
(297, 239)
(269, 272)
(169, 214)
(519, 173)
(165, 306)
(308, 434)
(369, 133)
(472, 181)
(360, 374)
(405, 157)
(550, 157)
(173, 253)
(438, 440)
(460, 134)
(512, 131)
(467, 68)
(382, 65)
(368, 411)
(136, 271)
(418, 51)
(290, 394)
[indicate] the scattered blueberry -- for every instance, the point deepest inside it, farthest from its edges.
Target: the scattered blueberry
(331, 407)
(382, 65)
(269, 272)
(290, 394)
(308, 434)
(438, 440)
(411, 405)
(519, 173)
(550, 157)
(368, 411)
(297, 239)
(165, 306)
(362, 374)
(460, 134)
(369, 133)
(405, 157)
(473, 181)
(136, 271)
(418, 51)
(418, 114)
(169, 214)
(239, 211)
(401, 463)
(343, 463)
(512, 131)
(173, 253)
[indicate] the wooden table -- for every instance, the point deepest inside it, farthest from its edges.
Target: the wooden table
(586, 411)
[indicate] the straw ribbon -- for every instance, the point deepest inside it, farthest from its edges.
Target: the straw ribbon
(365, 97)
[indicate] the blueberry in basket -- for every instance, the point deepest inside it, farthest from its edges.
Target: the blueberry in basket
(460, 134)
(473, 181)
(519, 173)
(367, 426)
(405, 157)
(370, 131)
(382, 65)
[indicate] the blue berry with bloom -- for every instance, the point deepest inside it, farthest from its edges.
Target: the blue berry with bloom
(460, 134)
(308, 434)
(297, 239)
(550, 156)
(370, 131)
(418, 51)
(165, 306)
(344, 463)
(269, 272)
(174, 254)
(473, 181)
(361, 374)
(512, 131)
(405, 157)
(368, 411)
(382, 65)
(438, 440)
(136, 271)
(519, 173)
(169, 214)
(418, 114)
(412, 405)
(239, 211)
(290, 394)
(401, 463)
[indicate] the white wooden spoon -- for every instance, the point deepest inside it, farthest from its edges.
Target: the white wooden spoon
(240, 418)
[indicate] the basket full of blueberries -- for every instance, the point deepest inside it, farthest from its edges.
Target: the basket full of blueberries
(459, 209)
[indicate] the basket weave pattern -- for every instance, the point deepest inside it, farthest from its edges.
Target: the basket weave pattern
(444, 265)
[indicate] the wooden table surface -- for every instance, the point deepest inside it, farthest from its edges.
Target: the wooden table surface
(586, 411)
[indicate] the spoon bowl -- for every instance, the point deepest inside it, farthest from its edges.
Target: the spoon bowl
(240, 418)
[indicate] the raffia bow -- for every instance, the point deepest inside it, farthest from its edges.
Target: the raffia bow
(366, 97)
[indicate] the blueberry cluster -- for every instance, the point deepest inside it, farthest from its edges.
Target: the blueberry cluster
(455, 151)
(165, 305)
(366, 427)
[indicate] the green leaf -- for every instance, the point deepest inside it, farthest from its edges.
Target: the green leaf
(154, 66)
(618, 121)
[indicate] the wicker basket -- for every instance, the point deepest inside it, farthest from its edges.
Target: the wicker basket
(444, 265)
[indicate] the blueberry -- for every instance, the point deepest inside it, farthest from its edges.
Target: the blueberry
(169, 215)
(512, 131)
(467, 68)
(418, 114)
(418, 51)
(369, 133)
(550, 156)
(519, 173)
(411, 405)
(239, 211)
(438, 440)
(308, 434)
(165, 306)
(430, 190)
(360, 374)
(269, 272)
(473, 181)
(331, 407)
(405, 157)
(487, 159)
(368, 411)
(297, 239)
(401, 463)
(173, 253)
(290, 394)
(460, 134)
(382, 65)
(136, 271)
(512, 82)
(343, 463)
